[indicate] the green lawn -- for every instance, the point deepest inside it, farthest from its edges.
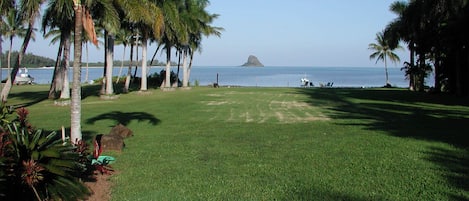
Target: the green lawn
(277, 143)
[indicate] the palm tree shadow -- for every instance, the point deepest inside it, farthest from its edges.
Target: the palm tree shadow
(125, 118)
(406, 114)
(312, 192)
(30, 98)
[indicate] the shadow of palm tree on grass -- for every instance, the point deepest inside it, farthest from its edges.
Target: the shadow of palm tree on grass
(430, 117)
(125, 118)
(315, 192)
(29, 98)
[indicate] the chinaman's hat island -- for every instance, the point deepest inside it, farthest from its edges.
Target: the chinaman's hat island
(253, 62)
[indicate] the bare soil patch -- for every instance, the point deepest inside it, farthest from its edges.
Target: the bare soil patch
(100, 188)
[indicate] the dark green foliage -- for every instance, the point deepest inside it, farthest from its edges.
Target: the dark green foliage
(156, 79)
(28, 60)
(36, 165)
(436, 35)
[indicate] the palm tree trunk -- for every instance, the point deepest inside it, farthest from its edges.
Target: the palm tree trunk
(421, 74)
(65, 92)
(87, 64)
(103, 80)
(190, 65)
(55, 82)
(122, 65)
(11, 78)
(167, 79)
(9, 55)
(176, 83)
(185, 76)
(75, 108)
(154, 55)
(412, 66)
(143, 85)
(129, 71)
(437, 77)
(136, 55)
(386, 70)
(109, 65)
(1, 55)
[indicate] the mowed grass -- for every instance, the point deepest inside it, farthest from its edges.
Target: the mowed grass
(277, 143)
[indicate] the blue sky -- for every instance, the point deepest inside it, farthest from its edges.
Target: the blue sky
(282, 33)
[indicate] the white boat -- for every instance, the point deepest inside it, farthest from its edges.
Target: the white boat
(305, 82)
(24, 77)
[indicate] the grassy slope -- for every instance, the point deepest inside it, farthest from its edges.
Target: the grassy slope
(283, 144)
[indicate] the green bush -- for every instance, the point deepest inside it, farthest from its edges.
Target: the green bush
(36, 165)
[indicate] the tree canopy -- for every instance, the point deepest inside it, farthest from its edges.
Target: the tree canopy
(436, 34)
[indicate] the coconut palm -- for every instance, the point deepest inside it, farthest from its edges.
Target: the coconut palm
(133, 43)
(75, 109)
(5, 6)
(29, 12)
(13, 27)
(147, 19)
(198, 26)
(173, 32)
(59, 14)
(383, 52)
(106, 16)
(124, 38)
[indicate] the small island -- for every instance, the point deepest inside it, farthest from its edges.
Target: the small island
(253, 62)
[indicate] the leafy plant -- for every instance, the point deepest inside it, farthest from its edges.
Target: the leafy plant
(37, 165)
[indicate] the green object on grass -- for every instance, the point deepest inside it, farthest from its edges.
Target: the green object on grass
(103, 160)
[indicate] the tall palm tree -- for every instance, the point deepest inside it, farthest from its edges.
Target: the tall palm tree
(57, 76)
(30, 11)
(75, 109)
(382, 52)
(5, 6)
(198, 26)
(173, 32)
(147, 19)
(59, 14)
(13, 27)
(133, 42)
(123, 37)
(105, 15)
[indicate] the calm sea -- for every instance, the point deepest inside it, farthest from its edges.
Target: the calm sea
(262, 77)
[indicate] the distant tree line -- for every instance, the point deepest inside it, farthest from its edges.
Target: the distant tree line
(33, 61)
(29, 60)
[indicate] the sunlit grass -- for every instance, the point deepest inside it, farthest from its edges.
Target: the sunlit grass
(279, 143)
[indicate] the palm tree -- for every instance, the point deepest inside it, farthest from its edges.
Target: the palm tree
(59, 14)
(13, 27)
(124, 38)
(382, 51)
(75, 109)
(133, 43)
(106, 16)
(5, 6)
(173, 32)
(29, 11)
(147, 18)
(199, 26)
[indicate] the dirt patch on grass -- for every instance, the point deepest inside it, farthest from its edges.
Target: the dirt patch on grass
(261, 108)
(217, 102)
(100, 188)
(290, 104)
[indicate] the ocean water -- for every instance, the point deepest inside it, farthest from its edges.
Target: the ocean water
(270, 76)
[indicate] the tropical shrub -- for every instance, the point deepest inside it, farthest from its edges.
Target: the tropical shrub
(156, 79)
(36, 165)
